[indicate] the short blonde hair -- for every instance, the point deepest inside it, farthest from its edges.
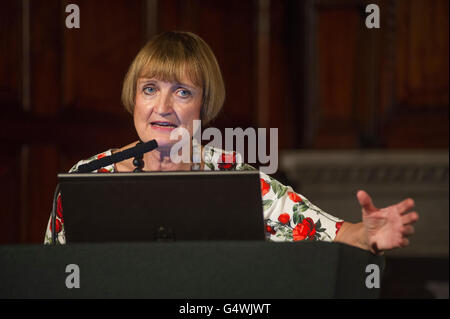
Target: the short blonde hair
(169, 57)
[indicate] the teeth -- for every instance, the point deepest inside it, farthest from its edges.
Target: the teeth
(164, 124)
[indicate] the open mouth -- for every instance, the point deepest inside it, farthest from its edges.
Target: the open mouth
(163, 124)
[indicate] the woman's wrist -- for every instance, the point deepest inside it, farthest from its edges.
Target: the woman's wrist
(353, 235)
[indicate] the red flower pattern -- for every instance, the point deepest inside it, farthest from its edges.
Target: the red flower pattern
(270, 230)
(284, 218)
(58, 225)
(338, 226)
(59, 209)
(265, 187)
(305, 229)
(295, 197)
(227, 161)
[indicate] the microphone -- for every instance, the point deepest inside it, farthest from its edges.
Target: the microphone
(135, 151)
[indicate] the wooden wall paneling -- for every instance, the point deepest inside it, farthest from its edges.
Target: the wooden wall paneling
(399, 84)
(418, 117)
(168, 15)
(10, 56)
(285, 77)
(11, 215)
(412, 129)
(97, 56)
(269, 86)
(23, 194)
(387, 58)
(150, 17)
(263, 53)
(309, 75)
(337, 41)
(42, 167)
(45, 56)
(229, 28)
(11, 99)
(32, 57)
(367, 72)
(45, 99)
(423, 70)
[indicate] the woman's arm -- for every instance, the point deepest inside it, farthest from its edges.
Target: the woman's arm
(381, 229)
(353, 235)
(59, 225)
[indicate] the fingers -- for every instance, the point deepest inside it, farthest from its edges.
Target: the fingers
(408, 230)
(365, 201)
(410, 218)
(404, 242)
(405, 205)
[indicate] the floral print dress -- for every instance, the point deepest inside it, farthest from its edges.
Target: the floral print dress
(288, 216)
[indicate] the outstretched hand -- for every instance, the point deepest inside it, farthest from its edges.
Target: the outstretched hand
(386, 228)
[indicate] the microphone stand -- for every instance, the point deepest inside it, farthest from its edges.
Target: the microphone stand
(135, 151)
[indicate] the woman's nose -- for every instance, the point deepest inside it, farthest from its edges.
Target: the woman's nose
(164, 105)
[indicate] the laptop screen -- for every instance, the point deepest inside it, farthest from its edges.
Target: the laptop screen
(162, 206)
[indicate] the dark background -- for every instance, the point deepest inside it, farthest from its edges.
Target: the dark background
(309, 68)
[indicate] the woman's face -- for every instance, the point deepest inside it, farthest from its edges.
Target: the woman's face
(163, 106)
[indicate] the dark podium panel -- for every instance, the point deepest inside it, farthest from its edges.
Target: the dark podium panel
(191, 270)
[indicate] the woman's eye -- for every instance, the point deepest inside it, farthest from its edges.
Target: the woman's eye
(149, 90)
(184, 93)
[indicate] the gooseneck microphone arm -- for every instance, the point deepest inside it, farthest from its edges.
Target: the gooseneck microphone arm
(135, 151)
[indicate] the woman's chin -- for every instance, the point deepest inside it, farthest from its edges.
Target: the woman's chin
(164, 143)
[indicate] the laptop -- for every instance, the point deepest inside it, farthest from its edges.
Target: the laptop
(162, 206)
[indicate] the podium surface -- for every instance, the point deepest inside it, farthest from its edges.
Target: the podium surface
(188, 270)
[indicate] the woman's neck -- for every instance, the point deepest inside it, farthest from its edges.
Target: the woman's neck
(156, 160)
(159, 160)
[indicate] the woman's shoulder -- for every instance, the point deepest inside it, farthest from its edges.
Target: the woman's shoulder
(106, 169)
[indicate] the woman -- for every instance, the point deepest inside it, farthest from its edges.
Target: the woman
(174, 80)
